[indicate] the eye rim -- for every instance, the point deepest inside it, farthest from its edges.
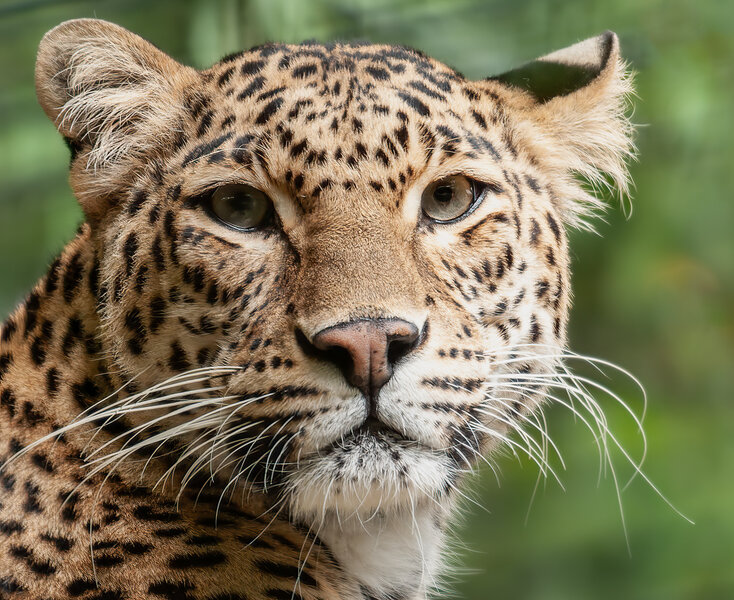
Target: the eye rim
(479, 190)
(267, 220)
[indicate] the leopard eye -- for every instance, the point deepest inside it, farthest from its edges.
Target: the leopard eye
(240, 206)
(450, 198)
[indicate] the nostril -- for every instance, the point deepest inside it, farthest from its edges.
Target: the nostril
(334, 354)
(397, 349)
(402, 343)
(304, 343)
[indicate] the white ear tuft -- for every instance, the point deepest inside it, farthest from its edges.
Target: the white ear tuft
(109, 92)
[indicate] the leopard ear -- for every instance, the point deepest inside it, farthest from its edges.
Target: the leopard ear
(109, 93)
(576, 100)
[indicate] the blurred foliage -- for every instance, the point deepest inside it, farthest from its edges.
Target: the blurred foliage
(655, 293)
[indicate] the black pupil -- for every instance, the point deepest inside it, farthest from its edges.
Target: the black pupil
(444, 194)
(242, 202)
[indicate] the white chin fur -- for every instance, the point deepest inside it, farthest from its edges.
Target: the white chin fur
(364, 475)
(391, 556)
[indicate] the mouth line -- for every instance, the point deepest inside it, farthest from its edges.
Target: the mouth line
(373, 426)
(371, 430)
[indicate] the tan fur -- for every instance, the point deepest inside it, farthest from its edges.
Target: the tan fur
(343, 140)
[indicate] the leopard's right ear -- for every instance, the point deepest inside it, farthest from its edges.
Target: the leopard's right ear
(109, 92)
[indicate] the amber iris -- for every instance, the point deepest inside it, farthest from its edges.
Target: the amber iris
(449, 198)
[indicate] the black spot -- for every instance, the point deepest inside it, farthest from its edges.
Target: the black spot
(252, 67)
(424, 89)
(62, 544)
(72, 277)
(554, 226)
(304, 71)
(79, 586)
(169, 532)
(137, 202)
(129, 250)
(157, 251)
(39, 567)
(532, 183)
(32, 305)
(157, 313)
(171, 591)
(10, 585)
(136, 548)
(30, 415)
(52, 278)
(38, 346)
(382, 157)
(290, 572)
(197, 560)
(253, 87)
(85, 391)
(42, 462)
(205, 149)
(541, 288)
(8, 482)
(534, 329)
(31, 503)
(225, 77)
(74, 333)
(178, 361)
(6, 360)
(11, 527)
(415, 104)
(7, 399)
(107, 560)
(268, 111)
(133, 321)
(8, 330)
(534, 232)
(479, 119)
(205, 123)
(378, 73)
(148, 513)
(299, 148)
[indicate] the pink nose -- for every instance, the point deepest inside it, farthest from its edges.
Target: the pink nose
(366, 350)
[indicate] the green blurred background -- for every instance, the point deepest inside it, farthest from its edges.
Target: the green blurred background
(654, 293)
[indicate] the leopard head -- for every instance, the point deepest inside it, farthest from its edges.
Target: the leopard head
(326, 267)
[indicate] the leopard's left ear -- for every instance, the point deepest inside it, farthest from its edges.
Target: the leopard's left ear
(576, 101)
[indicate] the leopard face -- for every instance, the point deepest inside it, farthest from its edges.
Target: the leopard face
(353, 349)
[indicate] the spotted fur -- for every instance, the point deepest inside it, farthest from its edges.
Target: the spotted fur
(167, 435)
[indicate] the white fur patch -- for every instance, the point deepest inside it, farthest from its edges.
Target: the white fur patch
(393, 556)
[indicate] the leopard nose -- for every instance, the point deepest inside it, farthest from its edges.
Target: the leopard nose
(366, 350)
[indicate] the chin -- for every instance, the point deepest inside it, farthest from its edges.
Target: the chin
(370, 472)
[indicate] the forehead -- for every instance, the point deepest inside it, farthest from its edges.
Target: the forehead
(311, 116)
(328, 73)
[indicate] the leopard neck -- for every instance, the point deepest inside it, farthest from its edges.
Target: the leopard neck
(396, 556)
(52, 366)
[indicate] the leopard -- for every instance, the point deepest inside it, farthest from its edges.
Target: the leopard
(315, 286)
